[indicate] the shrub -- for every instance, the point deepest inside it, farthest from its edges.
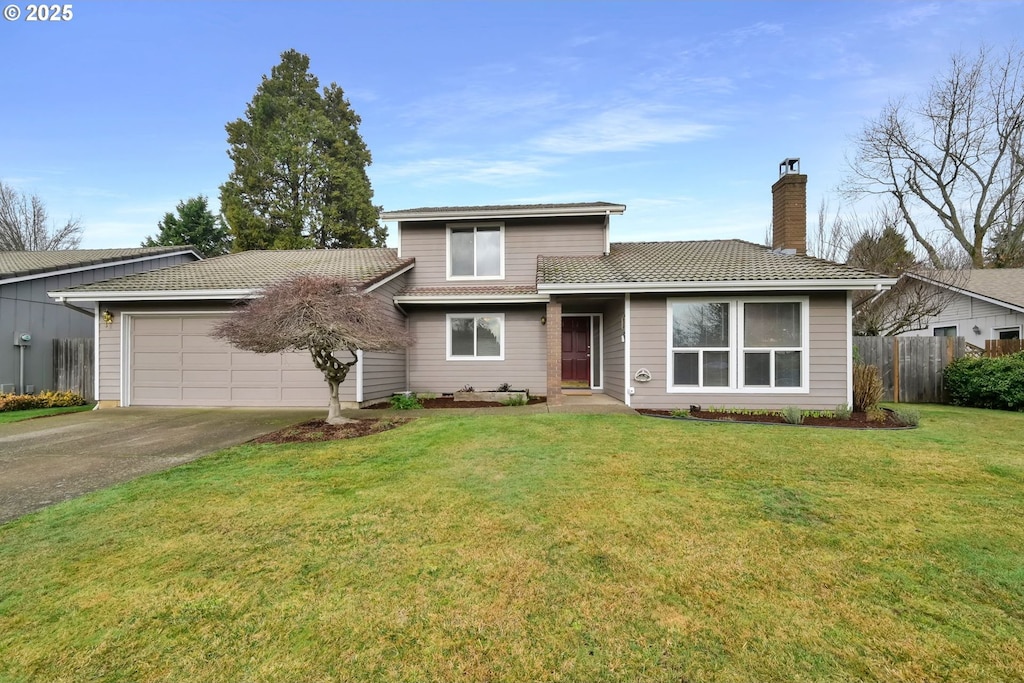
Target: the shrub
(680, 412)
(876, 414)
(867, 387)
(792, 415)
(908, 416)
(987, 382)
(504, 386)
(515, 400)
(406, 402)
(843, 411)
(46, 399)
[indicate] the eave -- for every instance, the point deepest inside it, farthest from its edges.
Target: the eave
(967, 292)
(43, 274)
(491, 214)
(472, 299)
(719, 286)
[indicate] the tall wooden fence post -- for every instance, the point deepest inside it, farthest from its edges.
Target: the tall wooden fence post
(896, 369)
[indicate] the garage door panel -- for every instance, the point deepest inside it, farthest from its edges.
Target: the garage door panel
(162, 394)
(246, 359)
(158, 325)
(205, 377)
(203, 395)
(154, 377)
(176, 363)
(196, 342)
(208, 359)
(157, 342)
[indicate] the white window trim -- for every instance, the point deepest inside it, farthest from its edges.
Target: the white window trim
(474, 358)
(736, 348)
(474, 226)
(956, 329)
(1007, 328)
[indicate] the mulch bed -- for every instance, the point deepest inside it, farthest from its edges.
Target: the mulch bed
(444, 402)
(319, 430)
(856, 421)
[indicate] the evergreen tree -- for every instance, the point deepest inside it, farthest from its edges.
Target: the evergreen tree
(195, 226)
(300, 167)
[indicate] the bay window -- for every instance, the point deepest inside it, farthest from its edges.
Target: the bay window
(746, 345)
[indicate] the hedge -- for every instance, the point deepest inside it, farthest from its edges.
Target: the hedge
(987, 382)
(45, 399)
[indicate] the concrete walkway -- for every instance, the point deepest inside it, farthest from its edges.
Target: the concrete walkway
(595, 403)
(52, 459)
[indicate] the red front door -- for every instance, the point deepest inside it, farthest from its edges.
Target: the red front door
(576, 352)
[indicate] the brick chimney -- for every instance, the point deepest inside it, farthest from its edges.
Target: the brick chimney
(789, 208)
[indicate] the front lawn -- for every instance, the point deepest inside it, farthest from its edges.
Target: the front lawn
(540, 548)
(19, 415)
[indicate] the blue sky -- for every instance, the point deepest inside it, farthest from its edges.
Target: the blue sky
(680, 110)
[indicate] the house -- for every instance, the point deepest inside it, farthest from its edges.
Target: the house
(32, 320)
(537, 296)
(978, 305)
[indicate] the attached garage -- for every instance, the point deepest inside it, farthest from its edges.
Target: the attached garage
(173, 361)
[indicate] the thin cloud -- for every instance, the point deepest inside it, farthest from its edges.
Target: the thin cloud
(624, 129)
(448, 169)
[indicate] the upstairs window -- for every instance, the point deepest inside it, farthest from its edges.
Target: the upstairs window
(476, 252)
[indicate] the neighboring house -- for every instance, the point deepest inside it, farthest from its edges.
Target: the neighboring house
(536, 296)
(982, 305)
(25, 308)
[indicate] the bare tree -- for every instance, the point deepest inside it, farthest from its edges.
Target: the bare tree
(323, 315)
(25, 225)
(952, 162)
(830, 240)
(880, 246)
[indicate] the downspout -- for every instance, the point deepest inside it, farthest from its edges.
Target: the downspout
(96, 356)
(628, 383)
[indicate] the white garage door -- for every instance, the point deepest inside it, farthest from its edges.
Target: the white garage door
(174, 362)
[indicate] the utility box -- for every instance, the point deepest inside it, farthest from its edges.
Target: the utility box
(22, 339)
(6, 388)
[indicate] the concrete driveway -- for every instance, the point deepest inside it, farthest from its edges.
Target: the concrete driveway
(52, 459)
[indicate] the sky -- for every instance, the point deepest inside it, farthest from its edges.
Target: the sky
(682, 111)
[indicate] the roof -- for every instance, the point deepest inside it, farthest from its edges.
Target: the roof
(244, 273)
(725, 262)
(21, 264)
(505, 211)
(475, 293)
(998, 285)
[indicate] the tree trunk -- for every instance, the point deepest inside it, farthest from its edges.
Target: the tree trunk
(334, 416)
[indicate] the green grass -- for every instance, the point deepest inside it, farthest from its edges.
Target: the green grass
(540, 548)
(19, 415)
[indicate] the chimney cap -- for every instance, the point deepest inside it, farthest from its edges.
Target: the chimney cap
(789, 166)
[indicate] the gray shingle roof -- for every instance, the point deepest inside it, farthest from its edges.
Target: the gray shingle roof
(471, 290)
(254, 270)
(22, 263)
(696, 261)
(1001, 284)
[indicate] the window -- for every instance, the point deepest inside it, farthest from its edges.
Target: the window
(476, 252)
(476, 337)
(772, 344)
(944, 331)
(700, 344)
(1007, 332)
(738, 345)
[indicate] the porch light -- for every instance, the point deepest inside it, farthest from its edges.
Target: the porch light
(108, 318)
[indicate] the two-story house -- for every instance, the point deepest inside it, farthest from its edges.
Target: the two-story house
(536, 296)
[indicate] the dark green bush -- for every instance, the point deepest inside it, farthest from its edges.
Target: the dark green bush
(996, 383)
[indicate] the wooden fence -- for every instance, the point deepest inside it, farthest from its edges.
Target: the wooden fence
(1003, 347)
(73, 366)
(911, 367)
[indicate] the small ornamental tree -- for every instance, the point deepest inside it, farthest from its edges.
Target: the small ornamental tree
(327, 316)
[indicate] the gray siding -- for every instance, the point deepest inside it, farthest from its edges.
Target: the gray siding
(614, 351)
(524, 241)
(385, 373)
(966, 312)
(524, 366)
(827, 371)
(24, 307)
